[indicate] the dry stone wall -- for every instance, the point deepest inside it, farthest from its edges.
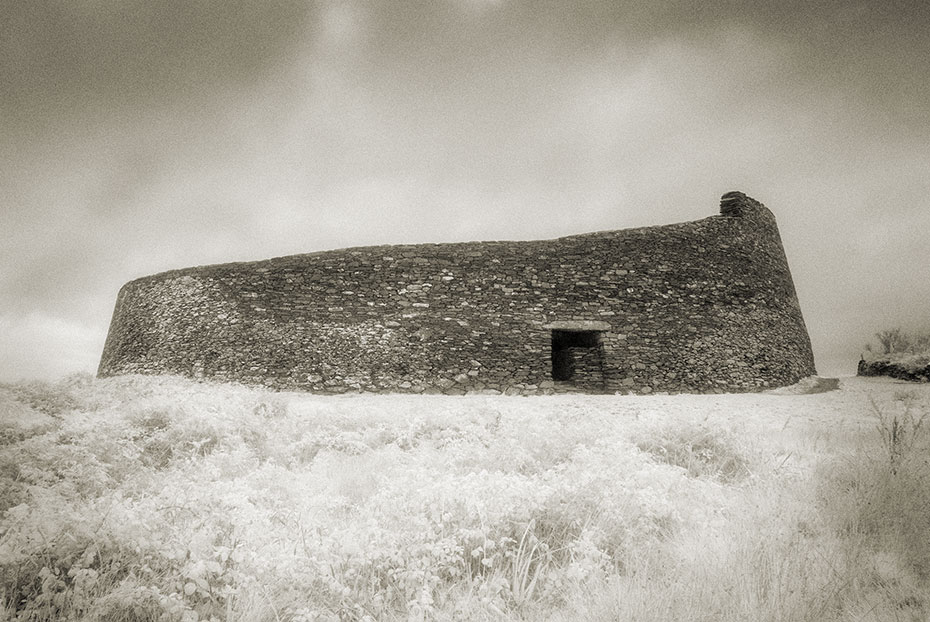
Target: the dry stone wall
(700, 306)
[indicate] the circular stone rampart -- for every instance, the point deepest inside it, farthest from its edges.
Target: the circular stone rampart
(699, 306)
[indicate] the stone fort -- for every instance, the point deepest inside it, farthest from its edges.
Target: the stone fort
(702, 306)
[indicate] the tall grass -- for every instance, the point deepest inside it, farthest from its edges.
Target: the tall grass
(882, 499)
(163, 499)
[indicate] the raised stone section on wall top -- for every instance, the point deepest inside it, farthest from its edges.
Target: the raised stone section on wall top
(700, 306)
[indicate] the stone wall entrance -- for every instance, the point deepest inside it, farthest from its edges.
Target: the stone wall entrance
(578, 358)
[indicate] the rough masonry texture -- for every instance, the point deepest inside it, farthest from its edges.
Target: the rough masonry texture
(699, 306)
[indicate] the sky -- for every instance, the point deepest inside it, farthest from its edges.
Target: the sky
(138, 136)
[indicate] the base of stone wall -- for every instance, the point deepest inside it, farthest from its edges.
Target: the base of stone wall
(546, 387)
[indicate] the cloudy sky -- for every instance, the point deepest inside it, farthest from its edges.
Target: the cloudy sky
(138, 136)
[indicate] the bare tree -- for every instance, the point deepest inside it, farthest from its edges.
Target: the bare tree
(892, 340)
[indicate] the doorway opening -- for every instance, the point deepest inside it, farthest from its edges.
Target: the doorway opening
(578, 357)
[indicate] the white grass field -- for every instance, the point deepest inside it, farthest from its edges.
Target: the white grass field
(144, 499)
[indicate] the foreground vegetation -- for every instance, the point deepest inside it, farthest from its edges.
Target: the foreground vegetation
(145, 499)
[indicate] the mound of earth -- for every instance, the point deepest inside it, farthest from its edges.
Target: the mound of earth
(902, 370)
(805, 386)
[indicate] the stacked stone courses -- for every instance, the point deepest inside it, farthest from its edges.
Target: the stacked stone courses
(703, 306)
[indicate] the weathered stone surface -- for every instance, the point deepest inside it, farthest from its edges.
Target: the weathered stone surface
(699, 306)
(579, 325)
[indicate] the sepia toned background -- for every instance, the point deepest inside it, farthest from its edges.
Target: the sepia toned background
(137, 137)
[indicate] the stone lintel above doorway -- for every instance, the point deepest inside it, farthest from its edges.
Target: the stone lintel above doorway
(577, 325)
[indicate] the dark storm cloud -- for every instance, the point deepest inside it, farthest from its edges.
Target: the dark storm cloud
(876, 51)
(60, 56)
(88, 56)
